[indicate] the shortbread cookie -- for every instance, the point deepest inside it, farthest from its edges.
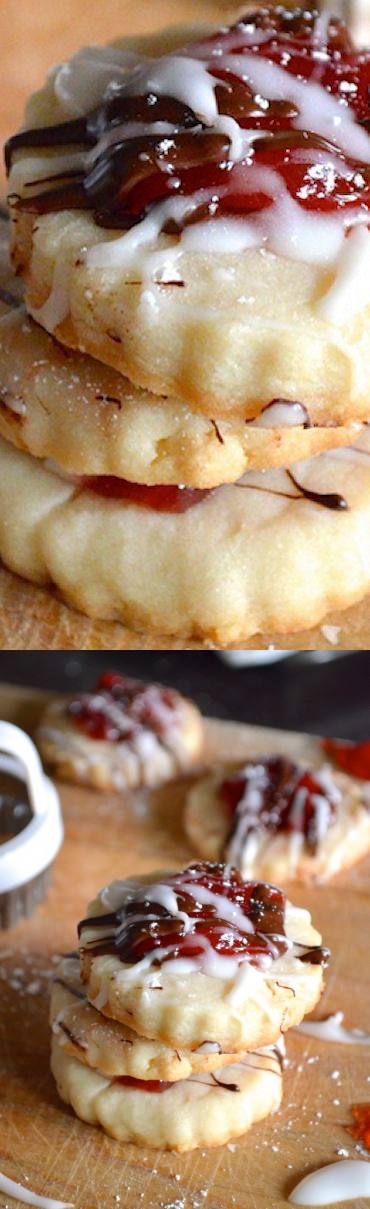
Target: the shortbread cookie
(113, 1048)
(93, 421)
(203, 1110)
(212, 243)
(272, 553)
(201, 956)
(122, 734)
(278, 820)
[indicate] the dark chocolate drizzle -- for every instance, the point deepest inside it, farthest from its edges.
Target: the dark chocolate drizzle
(9, 299)
(333, 501)
(68, 987)
(71, 1035)
(131, 938)
(225, 1086)
(129, 176)
(281, 781)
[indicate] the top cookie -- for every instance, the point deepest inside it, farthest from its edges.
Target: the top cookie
(200, 955)
(209, 236)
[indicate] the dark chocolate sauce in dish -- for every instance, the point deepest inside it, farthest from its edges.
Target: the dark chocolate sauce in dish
(216, 911)
(121, 708)
(277, 796)
(123, 175)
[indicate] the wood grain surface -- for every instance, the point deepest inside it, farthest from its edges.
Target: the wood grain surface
(33, 619)
(42, 1143)
(34, 36)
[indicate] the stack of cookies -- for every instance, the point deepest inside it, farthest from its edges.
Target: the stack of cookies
(167, 1026)
(190, 214)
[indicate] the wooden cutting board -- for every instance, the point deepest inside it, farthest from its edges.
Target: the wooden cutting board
(33, 619)
(42, 1143)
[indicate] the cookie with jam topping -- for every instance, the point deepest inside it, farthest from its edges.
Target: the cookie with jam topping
(122, 734)
(279, 820)
(201, 956)
(202, 224)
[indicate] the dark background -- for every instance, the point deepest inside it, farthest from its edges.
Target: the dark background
(330, 698)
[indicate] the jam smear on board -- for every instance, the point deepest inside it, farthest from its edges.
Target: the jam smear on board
(119, 708)
(290, 799)
(361, 1129)
(130, 175)
(142, 925)
(354, 758)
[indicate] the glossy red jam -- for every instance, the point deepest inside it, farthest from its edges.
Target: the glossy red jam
(354, 758)
(133, 175)
(289, 799)
(153, 1085)
(118, 708)
(141, 926)
(159, 499)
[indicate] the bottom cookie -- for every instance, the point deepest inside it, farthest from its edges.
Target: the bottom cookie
(203, 1110)
(262, 554)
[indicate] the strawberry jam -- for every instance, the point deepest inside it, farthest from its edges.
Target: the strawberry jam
(159, 499)
(354, 758)
(153, 1085)
(216, 911)
(131, 173)
(120, 708)
(277, 795)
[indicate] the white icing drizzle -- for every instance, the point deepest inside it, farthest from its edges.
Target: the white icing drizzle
(81, 83)
(281, 414)
(245, 840)
(319, 111)
(19, 1193)
(344, 1181)
(56, 308)
(185, 78)
(208, 1047)
(331, 1029)
(224, 906)
(165, 897)
(127, 251)
(12, 403)
(350, 291)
